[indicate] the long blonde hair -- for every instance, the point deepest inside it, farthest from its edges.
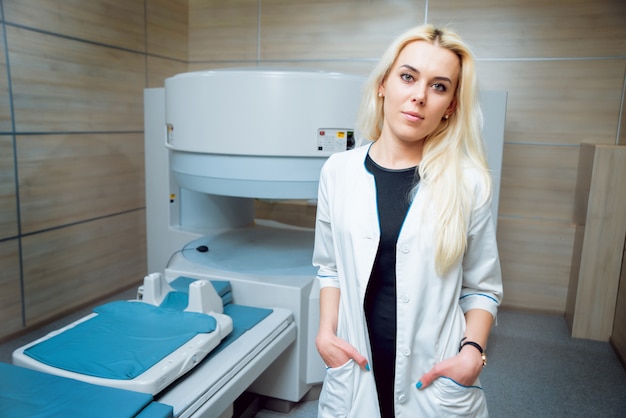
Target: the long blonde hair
(455, 144)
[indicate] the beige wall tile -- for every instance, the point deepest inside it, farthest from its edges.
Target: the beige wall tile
(10, 293)
(159, 69)
(109, 22)
(558, 102)
(332, 29)
(621, 140)
(5, 103)
(221, 30)
(71, 178)
(167, 28)
(8, 199)
(536, 28)
(538, 182)
(66, 85)
(535, 258)
(68, 267)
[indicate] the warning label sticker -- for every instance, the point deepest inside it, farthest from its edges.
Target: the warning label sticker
(334, 140)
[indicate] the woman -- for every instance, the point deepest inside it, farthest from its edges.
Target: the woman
(405, 243)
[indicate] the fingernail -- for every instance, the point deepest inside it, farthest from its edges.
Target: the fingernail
(367, 367)
(418, 385)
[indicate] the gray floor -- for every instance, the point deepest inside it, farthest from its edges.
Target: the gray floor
(535, 370)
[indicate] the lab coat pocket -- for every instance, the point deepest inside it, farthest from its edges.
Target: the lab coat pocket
(456, 400)
(336, 397)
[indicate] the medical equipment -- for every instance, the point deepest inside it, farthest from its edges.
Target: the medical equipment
(234, 136)
(215, 142)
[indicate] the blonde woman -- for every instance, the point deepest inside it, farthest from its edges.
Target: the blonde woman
(405, 243)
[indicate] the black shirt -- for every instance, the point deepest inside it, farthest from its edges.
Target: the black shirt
(393, 189)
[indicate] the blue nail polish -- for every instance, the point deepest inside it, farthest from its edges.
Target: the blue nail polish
(367, 367)
(418, 385)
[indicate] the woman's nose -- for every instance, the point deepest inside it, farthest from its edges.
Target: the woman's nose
(419, 94)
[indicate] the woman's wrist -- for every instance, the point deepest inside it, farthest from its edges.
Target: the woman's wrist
(472, 346)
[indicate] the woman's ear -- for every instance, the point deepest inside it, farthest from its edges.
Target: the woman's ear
(451, 107)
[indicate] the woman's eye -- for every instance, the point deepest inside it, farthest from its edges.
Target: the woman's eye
(406, 77)
(439, 87)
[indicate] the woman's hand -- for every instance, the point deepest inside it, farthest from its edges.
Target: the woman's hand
(336, 352)
(464, 368)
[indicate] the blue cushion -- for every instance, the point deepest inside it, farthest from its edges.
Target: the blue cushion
(28, 393)
(123, 341)
(244, 318)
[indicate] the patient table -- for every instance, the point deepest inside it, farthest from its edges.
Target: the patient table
(242, 342)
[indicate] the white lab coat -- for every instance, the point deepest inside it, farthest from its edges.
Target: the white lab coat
(430, 309)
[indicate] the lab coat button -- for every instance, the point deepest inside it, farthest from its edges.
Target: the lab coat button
(402, 398)
(404, 298)
(405, 249)
(406, 352)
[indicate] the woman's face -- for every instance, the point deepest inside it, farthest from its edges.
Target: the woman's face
(419, 90)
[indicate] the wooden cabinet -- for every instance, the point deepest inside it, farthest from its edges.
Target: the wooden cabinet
(600, 218)
(618, 337)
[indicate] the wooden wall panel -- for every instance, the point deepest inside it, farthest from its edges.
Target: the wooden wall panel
(77, 72)
(536, 28)
(223, 31)
(5, 104)
(560, 101)
(8, 199)
(160, 68)
(70, 178)
(10, 293)
(167, 28)
(109, 22)
(618, 336)
(65, 85)
(535, 257)
(621, 140)
(538, 182)
(333, 29)
(66, 268)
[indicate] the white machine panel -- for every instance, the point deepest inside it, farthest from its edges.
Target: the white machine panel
(258, 133)
(260, 112)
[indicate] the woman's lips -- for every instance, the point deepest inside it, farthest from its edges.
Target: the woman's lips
(413, 116)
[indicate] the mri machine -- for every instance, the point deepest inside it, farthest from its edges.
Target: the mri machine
(216, 141)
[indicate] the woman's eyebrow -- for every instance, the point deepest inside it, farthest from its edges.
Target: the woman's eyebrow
(415, 70)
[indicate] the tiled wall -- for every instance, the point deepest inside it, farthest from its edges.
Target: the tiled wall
(72, 74)
(562, 62)
(72, 217)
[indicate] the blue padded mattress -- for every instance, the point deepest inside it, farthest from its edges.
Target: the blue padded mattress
(29, 393)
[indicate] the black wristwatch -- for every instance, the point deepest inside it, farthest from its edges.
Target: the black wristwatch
(475, 345)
